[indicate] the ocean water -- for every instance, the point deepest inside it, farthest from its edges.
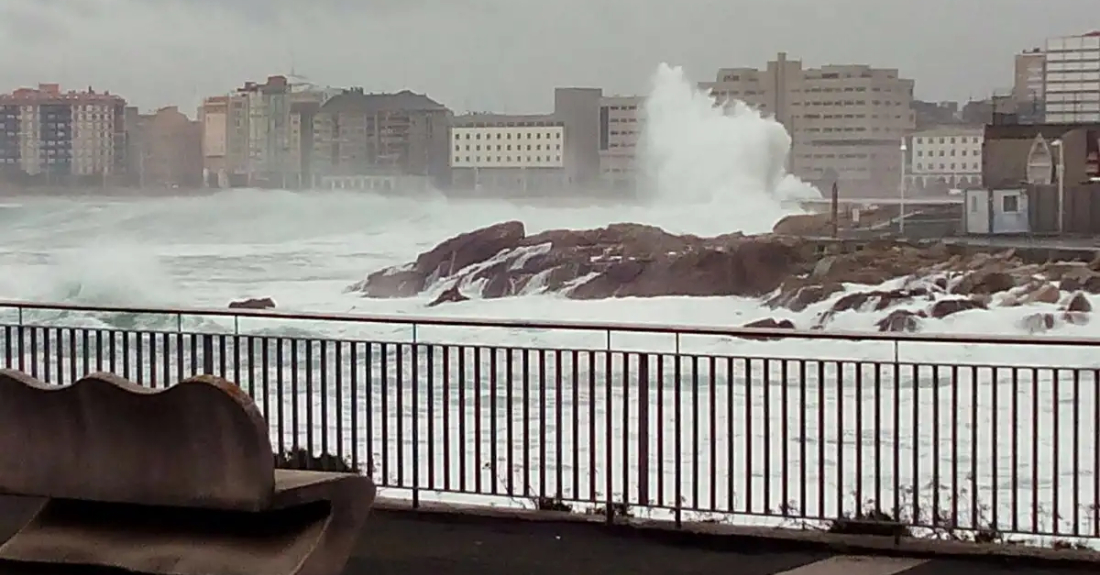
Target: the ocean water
(711, 171)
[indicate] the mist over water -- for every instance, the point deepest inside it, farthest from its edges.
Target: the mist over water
(728, 160)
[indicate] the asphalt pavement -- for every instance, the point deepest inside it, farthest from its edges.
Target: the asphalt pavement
(408, 543)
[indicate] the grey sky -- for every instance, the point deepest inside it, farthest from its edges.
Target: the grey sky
(507, 55)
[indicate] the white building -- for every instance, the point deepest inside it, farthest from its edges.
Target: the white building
(945, 157)
(1072, 79)
(507, 147)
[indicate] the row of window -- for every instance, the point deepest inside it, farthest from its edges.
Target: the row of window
(507, 148)
(975, 166)
(508, 136)
(946, 140)
(505, 159)
(932, 153)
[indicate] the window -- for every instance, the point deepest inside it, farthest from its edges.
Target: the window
(1010, 204)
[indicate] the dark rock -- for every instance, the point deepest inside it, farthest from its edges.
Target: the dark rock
(253, 303)
(449, 295)
(1079, 303)
(768, 323)
(876, 299)
(900, 320)
(944, 308)
(985, 282)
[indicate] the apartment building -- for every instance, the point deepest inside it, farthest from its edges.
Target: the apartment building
(254, 136)
(847, 122)
(944, 158)
(167, 150)
(621, 124)
(355, 133)
(1071, 79)
(62, 137)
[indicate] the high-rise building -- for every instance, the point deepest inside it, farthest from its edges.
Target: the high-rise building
(620, 128)
(1029, 79)
(255, 135)
(846, 122)
(1071, 79)
(62, 138)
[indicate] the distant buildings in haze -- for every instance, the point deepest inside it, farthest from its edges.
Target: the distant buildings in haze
(847, 123)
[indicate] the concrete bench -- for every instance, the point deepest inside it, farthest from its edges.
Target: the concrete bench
(179, 481)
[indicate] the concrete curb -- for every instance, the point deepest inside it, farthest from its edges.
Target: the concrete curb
(735, 538)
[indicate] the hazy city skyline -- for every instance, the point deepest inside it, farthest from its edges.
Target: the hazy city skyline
(508, 55)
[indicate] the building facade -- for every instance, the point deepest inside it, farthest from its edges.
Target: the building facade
(944, 158)
(847, 123)
(1029, 85)
(168, 150)
(1072, 79)
(62, 138)
(621, 123)
(380, 135)
(508, 153)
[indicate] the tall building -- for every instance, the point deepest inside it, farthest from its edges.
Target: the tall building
(167, 150)
(63, 138)
(846, 122)
(254, 136)
(1072, 79)
(620, 127)
(1029, 81)
(356, 133)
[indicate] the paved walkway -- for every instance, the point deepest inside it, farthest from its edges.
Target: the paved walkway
(402, 543)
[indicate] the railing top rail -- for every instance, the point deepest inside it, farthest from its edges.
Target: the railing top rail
(742, 332)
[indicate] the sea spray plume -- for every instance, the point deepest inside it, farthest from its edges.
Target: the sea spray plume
(731, 158)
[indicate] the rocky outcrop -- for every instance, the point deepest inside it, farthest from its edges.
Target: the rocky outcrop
(253, 303)
(768, 323)
(922, 282)
(622, 260)
(901, 320)
(449, 295)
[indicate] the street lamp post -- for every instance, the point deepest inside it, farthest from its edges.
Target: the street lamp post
(901, 191)
(1059, 173)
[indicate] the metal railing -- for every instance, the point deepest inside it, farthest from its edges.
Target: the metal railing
(939, 432)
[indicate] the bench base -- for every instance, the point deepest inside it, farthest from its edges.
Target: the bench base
(313, 538)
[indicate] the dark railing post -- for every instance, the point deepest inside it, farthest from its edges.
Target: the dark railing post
(643, 429)
(207, 353)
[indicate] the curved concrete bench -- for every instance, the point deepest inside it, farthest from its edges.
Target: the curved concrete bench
(178, 481)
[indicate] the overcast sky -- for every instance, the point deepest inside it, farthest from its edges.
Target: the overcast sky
(508, 55)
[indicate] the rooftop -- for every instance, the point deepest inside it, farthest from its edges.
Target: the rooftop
(355, 100)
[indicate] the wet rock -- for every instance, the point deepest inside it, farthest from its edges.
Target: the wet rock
(876, 300)
(984, 282)
(1079, 303)
(253, 303)
(1076, 317)
(1038, 323)
(1042, 293)
(944, 308)
(768, 323)
(449, 295)
(900, 320)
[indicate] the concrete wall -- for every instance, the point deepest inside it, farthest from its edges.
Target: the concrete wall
(579, 110)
